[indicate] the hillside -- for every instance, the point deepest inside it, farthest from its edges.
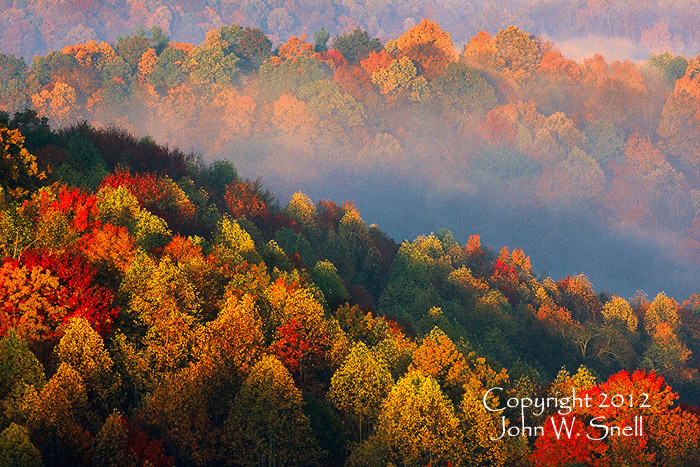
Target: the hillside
(156, 308)
(510, 138)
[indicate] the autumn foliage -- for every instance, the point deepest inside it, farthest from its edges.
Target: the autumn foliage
(156, 308)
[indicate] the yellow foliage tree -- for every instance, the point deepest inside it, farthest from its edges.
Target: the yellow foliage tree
(18, 167)
(619, 310)
(267, 424)
(418, 425)
(428, 46)
(359, 388)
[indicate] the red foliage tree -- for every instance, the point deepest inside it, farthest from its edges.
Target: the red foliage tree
(505, 278)
(44, 290)
(145, 448)
(668, 434)
(242, 201)
(299, 350)
(159, 195)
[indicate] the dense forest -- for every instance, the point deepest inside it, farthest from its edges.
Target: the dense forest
(632, 28)
(159, 307)
(158, 310)
(507, 121)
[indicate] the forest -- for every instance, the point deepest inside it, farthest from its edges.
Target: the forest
(628, 28)
(508, 121)
(162, 307)
(165, 311)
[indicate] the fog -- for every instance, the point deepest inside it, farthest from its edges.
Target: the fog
(413, 172)
(558, 244)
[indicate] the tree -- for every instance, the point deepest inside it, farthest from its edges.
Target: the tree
(662, 309)
(167, 70)
(55, 66)
(233, 341)
(680, 126)
(18, 365)
(146, 65)
(21, 376)
(83, 349)
(673, 66)
(605, 142)
(214, 61)
(359, 387)
(481, 429)
(179, 409)
(233, 243)
(577, 181)
(242, 200)
(17, 449)
(482, 53)
(521, 53)
(267, 423)
(111, 443)
(328, 103)
(13, 83)
(301, 209)
(326, 278)
(618, 310)
(462, 90)
(667, 355)
(131, 49)
(237, 115)
(294, 67)
(57, 102)
(438, 358)
(252, 48)
(57, 421)
(356, 45)
(428, 46)
(417, 424)
(157, 39)
(18, 168)
(43, 291)
(292, 116)
(400, 79)
(159, 195)
(577, 295)
(91, 54)
(660, 440)
(321, 39)
(409, 292)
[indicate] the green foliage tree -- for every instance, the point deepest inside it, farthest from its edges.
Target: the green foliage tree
(461, 90)
(321, 39)
(356, 45)
(289, 75)
(111, 443)
(214, 62)
(131, 49)
(326, 278)
(167, 72)
(16, 449)
(13, 83)
(673, 66)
